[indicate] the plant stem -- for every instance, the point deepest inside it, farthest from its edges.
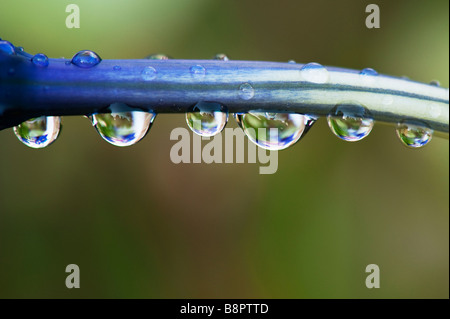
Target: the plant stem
(27, 90)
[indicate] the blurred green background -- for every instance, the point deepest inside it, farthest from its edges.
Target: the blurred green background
(141, 227)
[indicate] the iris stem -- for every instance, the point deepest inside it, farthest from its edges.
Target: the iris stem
(174, 86)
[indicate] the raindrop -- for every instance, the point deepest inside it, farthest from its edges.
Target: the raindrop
(40, 59)
(20, 49)
(221, 57)
(7, 47)
(198, 71)
(387, 100)
(315, 73)
(158, 56)
(368, 75)
(275, 132)
(86, 59)
(123, 128)
(38, 132)
(207, 118)
(414, 134)
(117, 68)
(292, 62)
(149, 73)
(350, 122)
(246, 91)
(434, 111)
(435, 83)
(368, 71)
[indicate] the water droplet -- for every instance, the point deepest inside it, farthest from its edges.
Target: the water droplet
(38, 132)
(275, 132)
(40, 59)
(434, 111)
(7, 47)
(368, 75)
(158, 56)
(246, 91)
(237, 117)
(350, 122)
(414, 134)
(123, 128)
(198, 71)
(387, 100)
(292, 62)
(149, 73)
(368, 71)
(20, 49)
(315, 73)
(91, 119)
(221, 57)
(117, 68)
(207, 118)
(435, 83)
(86, 59)
(68, 63)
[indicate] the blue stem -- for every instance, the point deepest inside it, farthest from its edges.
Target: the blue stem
(62, 88)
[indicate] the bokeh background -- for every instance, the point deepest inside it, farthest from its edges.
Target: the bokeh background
(140, 226)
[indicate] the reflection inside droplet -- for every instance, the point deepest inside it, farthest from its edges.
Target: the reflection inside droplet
(38, 132)
(413, 133)
(207, 118)
(123, 128)
(350, 122)
(273, 131)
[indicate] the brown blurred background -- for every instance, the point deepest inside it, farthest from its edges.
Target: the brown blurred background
(141, 227)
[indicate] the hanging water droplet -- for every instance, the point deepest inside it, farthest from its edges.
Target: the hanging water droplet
(158, 56)
(271, 115)
(117, 68)
(276, 132)
(221, 57)
(246, 91)
(86, 59)
(414, 134)
(38, 132)
(198, 71)
(149, 73)
(40, 59)
(123, 128)
(237, 117)
(350, 122)
(368, 75)
(91, 119)
(315, 73)
(207, 118)
(7, 47)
